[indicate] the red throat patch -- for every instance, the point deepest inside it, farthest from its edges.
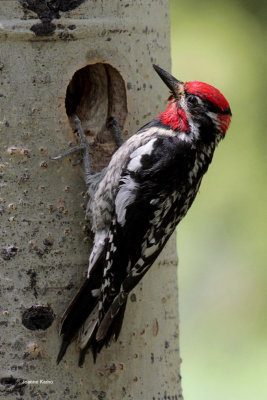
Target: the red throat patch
(175, 118)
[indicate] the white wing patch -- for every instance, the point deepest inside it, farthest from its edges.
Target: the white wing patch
(128, 187)
(136, 155)
(125, 196)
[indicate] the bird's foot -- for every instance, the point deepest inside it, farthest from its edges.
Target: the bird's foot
(113, 126)
(84, 146)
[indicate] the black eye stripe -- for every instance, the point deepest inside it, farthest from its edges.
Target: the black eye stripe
(192, 100)
(213, 108)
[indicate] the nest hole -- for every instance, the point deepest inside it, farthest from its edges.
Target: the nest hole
(96, 93)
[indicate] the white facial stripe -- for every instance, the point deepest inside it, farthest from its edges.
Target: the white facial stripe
(199, 100)
(183, 104)
(192, 135)
(194, 128)
(214, 118)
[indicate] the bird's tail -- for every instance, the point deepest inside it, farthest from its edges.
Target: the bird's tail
(81, 320)
(77, 312)
(88, 335)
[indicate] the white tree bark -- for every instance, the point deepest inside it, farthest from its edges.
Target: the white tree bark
(44, 247)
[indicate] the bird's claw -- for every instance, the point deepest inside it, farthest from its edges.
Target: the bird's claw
(113, 126)
(84, 146)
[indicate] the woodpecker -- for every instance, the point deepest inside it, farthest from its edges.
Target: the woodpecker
(135, 203)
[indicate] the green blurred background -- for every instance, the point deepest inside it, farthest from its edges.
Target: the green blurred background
(222, 241)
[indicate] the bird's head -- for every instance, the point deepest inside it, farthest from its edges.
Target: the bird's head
(196, 109)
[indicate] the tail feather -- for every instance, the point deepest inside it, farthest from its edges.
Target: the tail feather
(113, 332)
(112, 312)
(95, 348)
(75, 315)
(81, 319)
(117, 323)
(87, 330)
(82, 357)
(62, 350)
(79, 309)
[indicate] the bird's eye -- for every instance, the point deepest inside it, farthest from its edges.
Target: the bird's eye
(192, 100)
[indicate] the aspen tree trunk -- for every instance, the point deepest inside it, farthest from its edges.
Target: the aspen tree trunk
(95, 57)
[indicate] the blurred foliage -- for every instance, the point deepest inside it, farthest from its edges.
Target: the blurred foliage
(222, 241)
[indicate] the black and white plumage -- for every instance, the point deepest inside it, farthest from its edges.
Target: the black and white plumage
(136, 203)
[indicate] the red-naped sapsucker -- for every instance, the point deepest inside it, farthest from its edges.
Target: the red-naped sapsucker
(136, 202)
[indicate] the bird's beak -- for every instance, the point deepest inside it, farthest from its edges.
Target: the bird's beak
(176, 87)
